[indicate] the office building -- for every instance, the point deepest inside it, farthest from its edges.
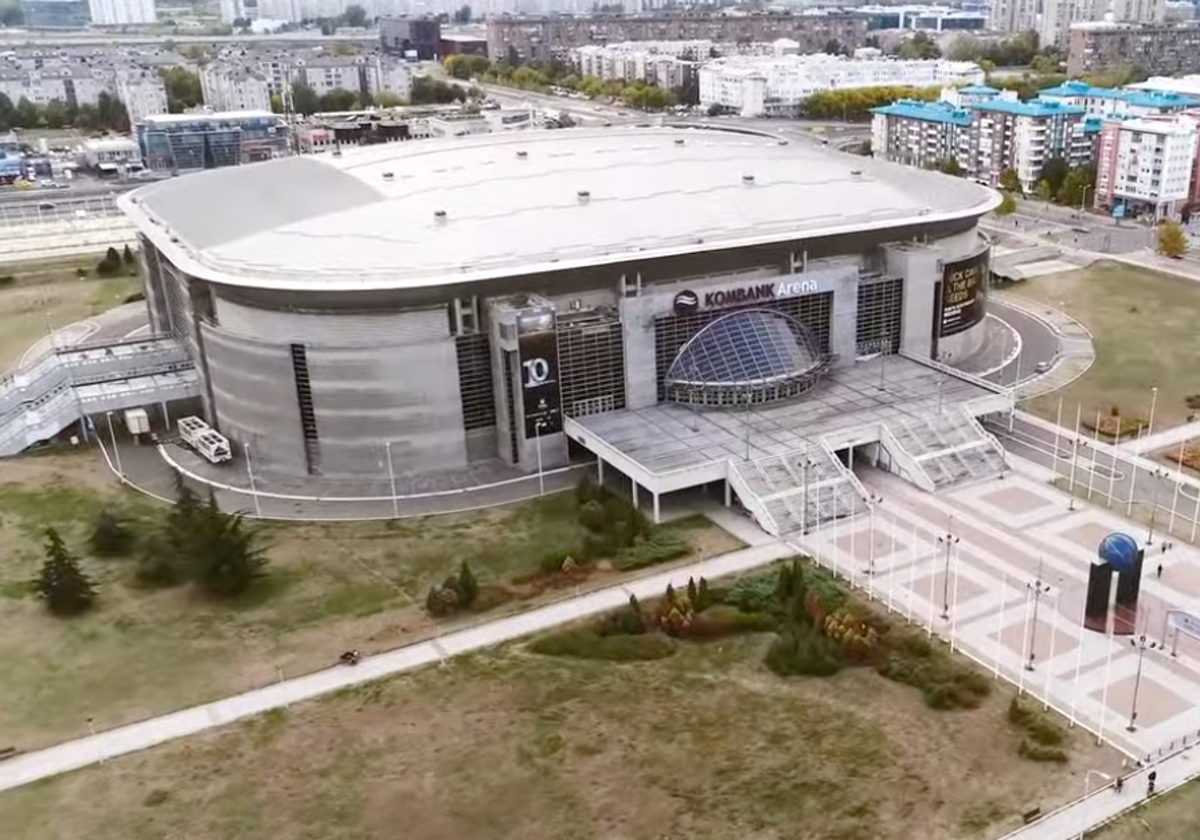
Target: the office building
(411, 37)
(185, 142)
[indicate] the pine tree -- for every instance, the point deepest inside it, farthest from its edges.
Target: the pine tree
(62, 584)
(110, 536)
(692, 595)
(227, 556)
(783, 586)
(703, 596)
(466, 586)
(127, 256)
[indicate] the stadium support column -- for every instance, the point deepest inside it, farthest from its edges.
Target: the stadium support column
(600, 470)
(656, 516)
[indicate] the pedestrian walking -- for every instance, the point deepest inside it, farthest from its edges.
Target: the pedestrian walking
(1158, 572)
(1120, 783)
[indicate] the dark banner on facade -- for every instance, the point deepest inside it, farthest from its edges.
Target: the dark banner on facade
(538, 346)
(964, 293)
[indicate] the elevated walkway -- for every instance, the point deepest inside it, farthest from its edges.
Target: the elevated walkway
(53, 392)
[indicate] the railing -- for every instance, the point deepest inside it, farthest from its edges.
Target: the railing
(905, 460)
(751, 500)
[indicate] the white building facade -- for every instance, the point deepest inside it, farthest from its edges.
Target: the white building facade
(122, 12)
(757, 87)
(233, 88)
(1147, 164)
(142, 92)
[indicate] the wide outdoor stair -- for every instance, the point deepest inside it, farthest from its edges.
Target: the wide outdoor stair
(949, 449)
(797, 491)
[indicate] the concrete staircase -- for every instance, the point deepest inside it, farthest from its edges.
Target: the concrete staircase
(944, 450)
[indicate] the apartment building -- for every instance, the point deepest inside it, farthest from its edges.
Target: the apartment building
(122, 12)
(985, 131)
(1148, 165)
(1104, 101)
(142, 92)
(231, 87)
(778, 86)
(1161, 48)
(73, 86)
(1058, 16)
(667, 64)
(1139, 11)
(1013, 15)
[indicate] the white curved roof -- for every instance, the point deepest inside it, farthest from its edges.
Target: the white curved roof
(367, 219)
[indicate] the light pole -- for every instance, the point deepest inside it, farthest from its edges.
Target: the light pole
(1087, 790)
(1083, 199)
(538, 425)
(116, 452)
(874, 500)
(1158, 474)
(392, 480)
(1140, 644)
(1153, 405)
(948, 541)
(1037, 589)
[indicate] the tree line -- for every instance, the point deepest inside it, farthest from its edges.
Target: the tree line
(855, 104)
(107, 114)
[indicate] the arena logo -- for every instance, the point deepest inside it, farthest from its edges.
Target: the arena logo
(688, 302)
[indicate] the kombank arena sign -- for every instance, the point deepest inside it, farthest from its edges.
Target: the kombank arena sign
(688, 302)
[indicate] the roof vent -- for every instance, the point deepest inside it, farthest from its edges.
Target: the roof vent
(389, 176)
(521, 153)
(584, 196)
(782, 142)
(679, 141)
(748, 180)
(337, 152)
(855, 173)
(440, 216)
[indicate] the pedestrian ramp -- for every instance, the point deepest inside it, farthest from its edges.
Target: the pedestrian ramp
(798, 490)
(943, 450)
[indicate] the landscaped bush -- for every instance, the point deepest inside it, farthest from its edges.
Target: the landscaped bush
(943, 682)
(457, 592)
(111, 537)
(753, 594)
(659, 548)
(587, 643)
(7, 280)
(1037, 752)
(1040, 728)
(725, 620)
(799, 651)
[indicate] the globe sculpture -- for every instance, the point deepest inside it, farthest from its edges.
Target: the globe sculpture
(1119, 550)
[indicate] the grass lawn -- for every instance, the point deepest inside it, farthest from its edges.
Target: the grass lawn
(329, 588)
(1144, 325)
(49, 294)
(705, 744)
(1173, 816)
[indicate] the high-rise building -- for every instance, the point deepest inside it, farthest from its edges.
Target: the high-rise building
(419, 38)
(121, 12)
(1058, 15)
(55, 14)
(1166, 49)
(1013, 15)
(1147, 165)
(1139, 11)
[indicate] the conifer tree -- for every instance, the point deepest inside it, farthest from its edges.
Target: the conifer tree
(62, 584)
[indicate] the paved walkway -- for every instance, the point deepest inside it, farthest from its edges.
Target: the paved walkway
(1165, 439)
(1104, 803)
(73, 755)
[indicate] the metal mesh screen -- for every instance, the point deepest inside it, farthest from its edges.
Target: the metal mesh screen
(880, 316)
(475, 387)
(591, 364)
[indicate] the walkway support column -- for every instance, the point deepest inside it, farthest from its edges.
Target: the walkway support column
(656, 518)
(634, 488)
(728, 494)
(600, 470)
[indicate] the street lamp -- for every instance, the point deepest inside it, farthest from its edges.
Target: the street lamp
(1153, 405)
(1083, 199)
(873, 501)
(1087, 790)
(1038, 589)
(948, 541)
(113, 436)
(1158, 474)
(1140, 644)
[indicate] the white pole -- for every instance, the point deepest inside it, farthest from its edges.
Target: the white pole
(537, 431)
(1132, 489)
(871, 554)
(116, 451)
(912, 572)
(1024, 642)
(392, 480)
(954, 619)
(853, 552)
(1112, 476)
(1078, 661)
(1175, 493)
(932, 581)
(1104, 695)
(1153, 405)
(1050, 656)
(250, 475)
(1000, 620)
(1095, 455)
(833, 548)
(1195, 517)
(1057, 427)
(1074, 449)
(891, 561)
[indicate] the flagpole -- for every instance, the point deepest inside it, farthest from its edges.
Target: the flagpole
(1112, 473)
(1095, 455)
(1074, 450)
(1000, 620)
(954, 620)
(1024, 642)
(1057, 427)
(1079, 661)
(1050, 656)
(912, 573)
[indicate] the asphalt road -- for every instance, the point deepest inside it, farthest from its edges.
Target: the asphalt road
(1038, 344)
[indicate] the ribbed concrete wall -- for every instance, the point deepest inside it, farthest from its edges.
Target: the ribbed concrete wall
(342, 329)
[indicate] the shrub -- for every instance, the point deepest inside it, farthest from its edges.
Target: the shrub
(441, 601)
(799, 652)
(157, 566)
(466, 586)
(587, 490)
(592, 517)
(753, 594)
(943, 682)
(81, 272)
(659, 548)
(554, 562)
(7, 280)
(135, 297)
(62, 584)
(627, 621)
(724, 620)
(1038, 726)
(110, 536)
(1037, 752)
(586, 643)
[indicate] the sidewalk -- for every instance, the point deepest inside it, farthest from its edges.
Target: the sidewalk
(82, 752)
(1161, 440)
(1105, 804)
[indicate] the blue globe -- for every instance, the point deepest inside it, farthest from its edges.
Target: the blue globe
(1119, 551)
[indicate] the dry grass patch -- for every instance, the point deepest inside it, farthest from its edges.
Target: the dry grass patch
(328, 588)
(706, 744)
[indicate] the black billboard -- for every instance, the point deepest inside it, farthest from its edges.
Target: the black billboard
(537, 344)
(964, 293)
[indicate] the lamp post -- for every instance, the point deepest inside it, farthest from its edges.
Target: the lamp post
(538, 425)
(1140, 644)
(1037, 589)
(874, 500)
(1158, 474)
(948, 541)
(116, 452)
(1087, 790)
(1083, 199)
(1153, 405)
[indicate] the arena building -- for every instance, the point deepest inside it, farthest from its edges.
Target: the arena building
(691, 306)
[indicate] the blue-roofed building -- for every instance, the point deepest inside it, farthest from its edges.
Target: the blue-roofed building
(1101, 102)
(985, 131)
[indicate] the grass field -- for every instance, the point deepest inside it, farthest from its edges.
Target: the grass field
(330, 588)
(705, 744)
(1144, 325)
(1172, 816)
(49, 295)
